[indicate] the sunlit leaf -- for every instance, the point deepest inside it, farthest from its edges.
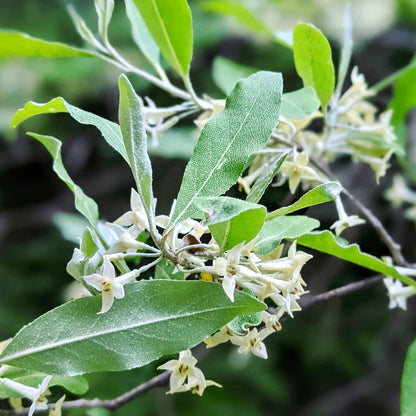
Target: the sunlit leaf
(141, 34)
(21, 44)
(228, 139)
(170, 23)
(313, 60)
(320, 194)
(155, 318)
(279, 228)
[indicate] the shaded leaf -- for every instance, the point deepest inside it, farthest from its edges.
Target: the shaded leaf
(277, 229)
(164, 270)
(170, 23)
(313, 61)
(76, 385)
(320, 194)
(240, 324)
(265, 179)
(104, 10)
(83, 203)
(408, 384)
(228, 139)
(232, 221)
(21, 44)
(300, 103)
(227, 73)
(156, 317)
(328, 243)
(110, 131)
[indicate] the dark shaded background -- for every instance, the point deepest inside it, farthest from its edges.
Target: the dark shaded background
(342, 357)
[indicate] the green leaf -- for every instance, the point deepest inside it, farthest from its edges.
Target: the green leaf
(155, 318)
(328, 243)
(21, 44)
(70, 225)
(83, 203)
(104, 10)
(141, 34)
(164, 270)
(284, 37)
(227, 73)
(75, 385)
(408, 385)
(133, 129)
(228, 139)
(241, 12)
(320, 194)
(232, 221)
(313, 61)
(170, 23)
(240, 324)
(270, 170)
(110, 131)
(275, 230)
(300, 103)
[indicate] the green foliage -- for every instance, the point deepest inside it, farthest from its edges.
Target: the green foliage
(83, 203)
(141, 34)
(21, 44)
(156, 318)
(279, 228)
(133, 129)
(408, 390)
(319, 195)
(170, 24)
(328, 243)
(228, 139)
(231, 220)
(300, 103)
(313, 61)
(240, 324)
(75, 385)
(262, 183)
(110, 131)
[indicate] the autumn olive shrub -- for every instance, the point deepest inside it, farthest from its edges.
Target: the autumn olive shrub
(222, 269)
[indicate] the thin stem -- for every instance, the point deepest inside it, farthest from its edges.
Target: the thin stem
(160, 380)
(308, 301)
(384, 83)
(200, 103)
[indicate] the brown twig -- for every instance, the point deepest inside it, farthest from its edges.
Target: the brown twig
(308, 301)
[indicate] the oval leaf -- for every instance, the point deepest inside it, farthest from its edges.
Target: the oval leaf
(328, 243)
(408, 388)
(156, 317)
(275, 230)
(110, 131)
(83, 203)
(231, 220)
(228, 139)
(313, 61)
(21, 44)
(300, 104)
(320, 194)
(170, 23)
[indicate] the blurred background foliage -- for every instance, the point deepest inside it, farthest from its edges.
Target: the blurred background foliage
(338, 358)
